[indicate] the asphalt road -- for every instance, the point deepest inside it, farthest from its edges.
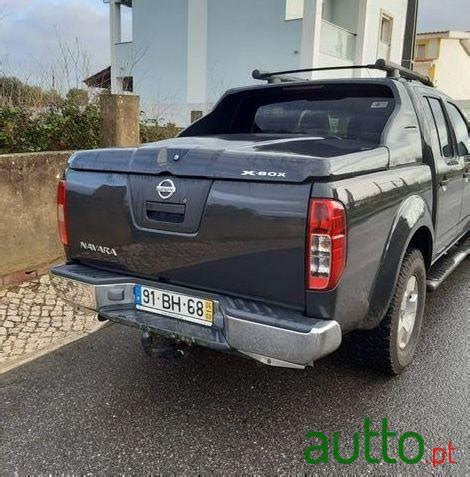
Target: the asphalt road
(101, 406)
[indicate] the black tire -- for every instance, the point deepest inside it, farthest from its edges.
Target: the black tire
(380, 347)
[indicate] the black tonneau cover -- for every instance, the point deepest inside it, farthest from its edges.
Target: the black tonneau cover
(293, 159)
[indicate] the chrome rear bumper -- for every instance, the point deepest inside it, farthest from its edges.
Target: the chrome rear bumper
(272, 335)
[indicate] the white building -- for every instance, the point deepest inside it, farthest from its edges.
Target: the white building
(185, 53)
(444, 56)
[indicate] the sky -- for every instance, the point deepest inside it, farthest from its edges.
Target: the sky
(33, 32)
(35, 35)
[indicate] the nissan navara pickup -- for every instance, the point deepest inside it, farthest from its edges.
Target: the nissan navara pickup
(292, 214)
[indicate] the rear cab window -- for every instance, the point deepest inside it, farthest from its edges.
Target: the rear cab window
(349, 112)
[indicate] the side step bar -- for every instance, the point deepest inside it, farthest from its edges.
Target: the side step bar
(447, 264)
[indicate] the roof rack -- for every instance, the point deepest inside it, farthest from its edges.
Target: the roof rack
(393, 70)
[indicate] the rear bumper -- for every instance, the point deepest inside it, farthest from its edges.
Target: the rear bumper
(273, 335)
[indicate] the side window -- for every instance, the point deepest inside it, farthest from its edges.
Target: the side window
(294, 9)
(441, 126)
(385, 36)
(460, 128)
(421, 51)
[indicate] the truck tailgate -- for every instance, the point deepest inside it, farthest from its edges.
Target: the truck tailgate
(244, 238)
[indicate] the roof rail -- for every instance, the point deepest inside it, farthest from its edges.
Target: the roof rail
(393, 70)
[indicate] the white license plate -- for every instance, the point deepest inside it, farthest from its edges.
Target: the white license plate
(173, 304)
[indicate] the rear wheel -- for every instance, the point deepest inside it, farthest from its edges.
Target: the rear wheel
(390, 347)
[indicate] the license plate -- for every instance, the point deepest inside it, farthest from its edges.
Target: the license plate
(172, 304)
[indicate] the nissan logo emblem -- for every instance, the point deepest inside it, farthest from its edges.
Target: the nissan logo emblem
(166, 189)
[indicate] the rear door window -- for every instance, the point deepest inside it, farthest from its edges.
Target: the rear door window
(460, 126)
(441, 126)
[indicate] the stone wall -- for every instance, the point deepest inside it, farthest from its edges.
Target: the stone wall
(28, 229)
(119, 120)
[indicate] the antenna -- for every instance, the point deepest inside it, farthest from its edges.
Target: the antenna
(393, 70)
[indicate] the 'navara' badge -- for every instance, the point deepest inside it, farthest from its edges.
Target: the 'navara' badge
(166, 189)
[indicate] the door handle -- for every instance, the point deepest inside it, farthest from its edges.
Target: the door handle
(466, 175)
(444, 182)
(165, 212)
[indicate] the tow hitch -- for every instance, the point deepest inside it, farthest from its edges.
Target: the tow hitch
(160, 347)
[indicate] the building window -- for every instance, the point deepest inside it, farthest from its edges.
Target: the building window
(196, 115)
(126, 24)
(126, 84)
(421, 51)
(294, 9)
(341, 13)
(385, 36)
(386, 24)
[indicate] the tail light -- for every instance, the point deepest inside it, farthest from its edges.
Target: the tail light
(62, 212)
(326, 242)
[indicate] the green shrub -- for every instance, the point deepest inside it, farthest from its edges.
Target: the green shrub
(68, 126)
(65, 127)
(33, 120)
(155, 132)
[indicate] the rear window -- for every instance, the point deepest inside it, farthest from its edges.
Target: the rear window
(355, 112)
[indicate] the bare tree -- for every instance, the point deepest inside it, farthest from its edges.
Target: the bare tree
(73, 63)
(135, 57)
(219, 81)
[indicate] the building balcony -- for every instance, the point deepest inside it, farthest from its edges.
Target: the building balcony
(337, 41)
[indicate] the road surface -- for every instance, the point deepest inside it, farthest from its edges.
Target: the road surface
(100, 405)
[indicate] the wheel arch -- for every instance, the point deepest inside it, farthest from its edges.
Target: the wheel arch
(412, 228)
(422, 240)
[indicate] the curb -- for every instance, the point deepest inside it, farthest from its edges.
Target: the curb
(49, 349)
(28, 274)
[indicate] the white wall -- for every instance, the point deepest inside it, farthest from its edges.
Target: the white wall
(368, 29)
(453, 70)
(124, 58)
(160, 30)
(397, 10)
(248, 34)
(186, 53)
(192, 51)
(197, 52)
(432, 48)
(465, 107)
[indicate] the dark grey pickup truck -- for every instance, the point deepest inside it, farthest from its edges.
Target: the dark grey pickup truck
(294, 213)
